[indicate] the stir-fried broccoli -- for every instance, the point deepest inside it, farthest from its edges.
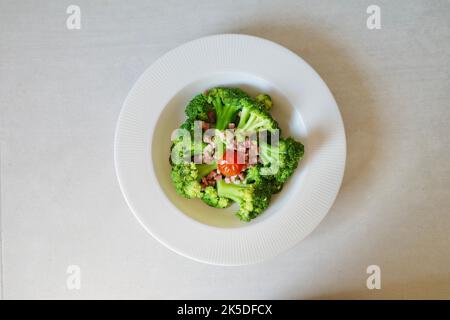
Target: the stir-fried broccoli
(204, 169)
(255, 118)
(185, 179)
(265, 100)
(253, 175)
(211, 198)
(227, 104)
(184, 149)
(282, 158)
(188, 125)
(252, 185)
(198, 108)
(252, 198)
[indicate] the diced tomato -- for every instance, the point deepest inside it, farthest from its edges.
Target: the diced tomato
(231, 168)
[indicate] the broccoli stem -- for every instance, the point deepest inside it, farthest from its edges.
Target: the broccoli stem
(245, 114)
(225, 116)
(230, 190)
(251, 123)
(204, 169)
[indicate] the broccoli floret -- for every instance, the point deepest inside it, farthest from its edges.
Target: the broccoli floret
(265, 100)
(198, 108)
(227, 104)
(276, 162)
(193, 147)
(255, 118)
(178, 151)
(188, 125)
(211, 198)
(253, 175)
(283, 158)
(185, 178)
(186, 149)
(182, 149)
(252, 198)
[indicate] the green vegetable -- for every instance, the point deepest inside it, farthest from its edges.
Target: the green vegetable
(198, 108)
(187, 176)
(186, 149)
(276, 162)
(266, 100)
(227, 104)
(255, 118)
(253, 175)
(188, 125)
(204, 169)
(252, 198)
(185, 179)
(211, 198)
(282, 158)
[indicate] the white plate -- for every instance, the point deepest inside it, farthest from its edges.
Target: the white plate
(305, 109)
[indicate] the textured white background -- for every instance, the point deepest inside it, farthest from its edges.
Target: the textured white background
(60, 95)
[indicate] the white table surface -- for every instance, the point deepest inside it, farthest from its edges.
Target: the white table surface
(60, 95)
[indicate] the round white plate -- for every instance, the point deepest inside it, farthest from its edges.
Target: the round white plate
(304, 108)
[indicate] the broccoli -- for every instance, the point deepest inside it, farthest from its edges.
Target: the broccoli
(277, 162)
(285, 156)
(255, 118)
(188, 125)
(211, 198)
(227, 104)
(265, 100)
(252, 198)
(185, 150)
(253, 175)
(187, 176)
(185, 179)
(197, 109)
(182, 146)
(204, 169)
